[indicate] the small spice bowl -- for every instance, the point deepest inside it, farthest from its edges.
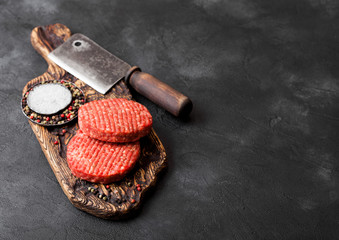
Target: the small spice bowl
(65, 115)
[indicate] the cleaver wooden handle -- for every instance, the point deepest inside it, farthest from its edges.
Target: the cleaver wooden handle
(159, 92)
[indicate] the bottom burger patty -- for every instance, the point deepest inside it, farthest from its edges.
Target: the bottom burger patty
(98, 161)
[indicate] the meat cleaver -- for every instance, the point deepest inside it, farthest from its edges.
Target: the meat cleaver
(100, 69)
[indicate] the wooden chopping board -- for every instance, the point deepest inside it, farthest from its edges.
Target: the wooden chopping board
(123, 196)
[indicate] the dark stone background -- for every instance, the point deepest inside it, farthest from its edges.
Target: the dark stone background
(258, 158)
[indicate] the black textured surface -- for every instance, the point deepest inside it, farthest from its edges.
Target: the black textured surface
(258, 158)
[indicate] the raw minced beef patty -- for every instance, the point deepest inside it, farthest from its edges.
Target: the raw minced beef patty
(115, 120)
(98, 161)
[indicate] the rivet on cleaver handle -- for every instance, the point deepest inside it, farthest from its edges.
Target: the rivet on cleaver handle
(100, 69)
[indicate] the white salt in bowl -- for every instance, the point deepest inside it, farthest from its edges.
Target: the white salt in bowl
(49, 98)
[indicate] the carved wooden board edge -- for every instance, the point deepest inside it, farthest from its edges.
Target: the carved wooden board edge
(122, 197)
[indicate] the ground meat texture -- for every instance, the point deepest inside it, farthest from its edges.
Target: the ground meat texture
(98, 161)
(115, 120)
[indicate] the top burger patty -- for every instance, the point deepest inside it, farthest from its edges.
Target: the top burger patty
(115, 120)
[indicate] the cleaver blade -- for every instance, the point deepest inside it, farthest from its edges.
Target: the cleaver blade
(92, 64)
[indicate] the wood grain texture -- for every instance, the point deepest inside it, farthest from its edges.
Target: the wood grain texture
(120, 194)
